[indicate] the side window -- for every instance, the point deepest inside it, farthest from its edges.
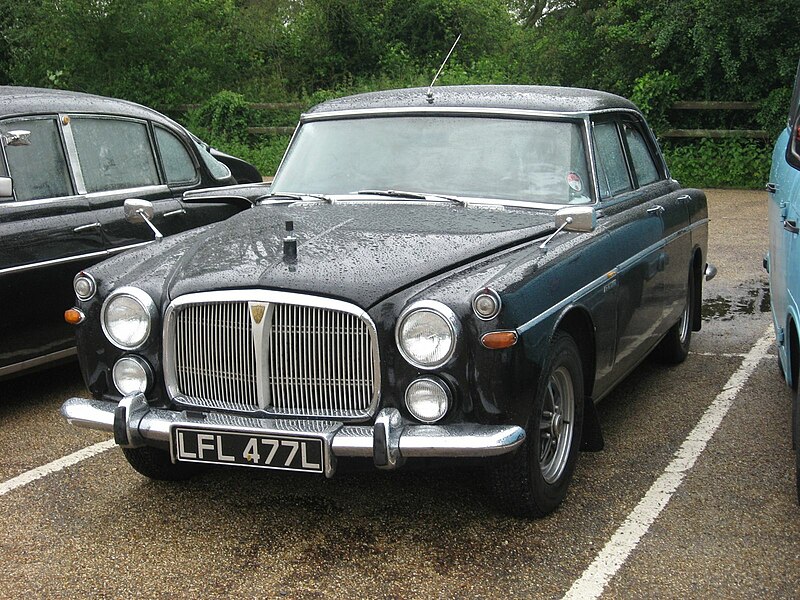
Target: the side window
(612, 172)
(178, 165)
(113, 153)
(39, 170)
(643, 164)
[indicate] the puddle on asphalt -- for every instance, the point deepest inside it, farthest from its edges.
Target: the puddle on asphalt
(724, 309)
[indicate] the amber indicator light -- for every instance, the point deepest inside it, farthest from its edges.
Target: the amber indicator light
(73, 316)
(497, 340)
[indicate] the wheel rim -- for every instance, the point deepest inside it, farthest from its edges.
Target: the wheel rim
(556, 425)
(684, 324)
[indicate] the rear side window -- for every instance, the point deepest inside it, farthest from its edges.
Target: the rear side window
(612, 172)
(114, 154)
(39, 169)
(643, 164)
(178, 164)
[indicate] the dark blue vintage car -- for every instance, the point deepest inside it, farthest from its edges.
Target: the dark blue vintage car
(783, 256)
(68, 161)
(458, 273)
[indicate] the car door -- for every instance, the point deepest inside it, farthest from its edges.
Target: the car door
(118, 161)
(48, 233)
(651, 179)
(784, 221)
(634, 220)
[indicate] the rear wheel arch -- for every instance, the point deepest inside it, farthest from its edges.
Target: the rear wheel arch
(793, 348)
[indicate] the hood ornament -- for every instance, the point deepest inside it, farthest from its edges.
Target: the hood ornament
(290, 243)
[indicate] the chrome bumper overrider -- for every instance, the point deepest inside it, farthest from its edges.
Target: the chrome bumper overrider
(389, 442)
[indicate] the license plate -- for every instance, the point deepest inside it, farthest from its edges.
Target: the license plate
(291, 453)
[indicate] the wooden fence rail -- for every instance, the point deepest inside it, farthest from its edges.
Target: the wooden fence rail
(690, 105)
(684, 105)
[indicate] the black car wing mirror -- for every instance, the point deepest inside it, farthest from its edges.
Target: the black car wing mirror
(581, 219)
(141, 211)
(6, 188)
(18, 137)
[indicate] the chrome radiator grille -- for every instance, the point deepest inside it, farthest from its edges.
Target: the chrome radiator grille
(286, 354)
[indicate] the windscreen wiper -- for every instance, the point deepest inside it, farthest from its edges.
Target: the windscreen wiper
(412, 195)
(279, 197)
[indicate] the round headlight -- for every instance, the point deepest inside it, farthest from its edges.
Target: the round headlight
(84, 286)
(131, 374)
(127, 317)
(428, 399)
(426, 334)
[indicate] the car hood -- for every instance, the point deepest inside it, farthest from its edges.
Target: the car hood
(360, 252)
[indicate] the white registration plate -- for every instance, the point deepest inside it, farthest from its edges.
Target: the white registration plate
(291, 453)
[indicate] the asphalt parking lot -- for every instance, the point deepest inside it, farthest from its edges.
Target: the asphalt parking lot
(692, 497)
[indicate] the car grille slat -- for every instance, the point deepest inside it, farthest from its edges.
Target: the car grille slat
(299, 359)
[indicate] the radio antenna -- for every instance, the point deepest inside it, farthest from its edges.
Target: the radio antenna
(429, 94)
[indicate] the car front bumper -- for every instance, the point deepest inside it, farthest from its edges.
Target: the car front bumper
(389, 441)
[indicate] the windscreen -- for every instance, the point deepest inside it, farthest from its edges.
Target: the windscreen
(479, 157)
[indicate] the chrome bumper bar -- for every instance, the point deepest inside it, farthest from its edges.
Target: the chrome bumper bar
(389, 441)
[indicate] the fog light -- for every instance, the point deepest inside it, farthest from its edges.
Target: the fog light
(84, 286)
(428, 399)
(486, 304)
(131, 375)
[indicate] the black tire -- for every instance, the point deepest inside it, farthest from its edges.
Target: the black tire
(674, 348)
(534, 480)
(796, 439)
(157, 464)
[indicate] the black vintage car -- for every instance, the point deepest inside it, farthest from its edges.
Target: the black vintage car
(458, 273)
(68, 161)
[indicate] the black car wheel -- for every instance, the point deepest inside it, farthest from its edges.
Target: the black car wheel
(533, 482)
(796, 439)
(157, 464)
(674, 348)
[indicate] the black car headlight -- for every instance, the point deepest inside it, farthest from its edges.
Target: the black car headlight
(128, 317)
(427, 333)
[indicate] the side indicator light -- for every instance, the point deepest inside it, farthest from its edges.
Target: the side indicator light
(73, 316)
(497, 340)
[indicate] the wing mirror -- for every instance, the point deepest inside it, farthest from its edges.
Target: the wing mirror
(18, 137)
(141, 211)
(6, 188)
(580, 219)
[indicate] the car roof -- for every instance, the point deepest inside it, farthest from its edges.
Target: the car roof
(499, 97)
(20, 101)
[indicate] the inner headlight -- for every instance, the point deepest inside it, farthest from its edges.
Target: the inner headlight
(427, 333)
(132, 374)
(428, 399)
(127, 317)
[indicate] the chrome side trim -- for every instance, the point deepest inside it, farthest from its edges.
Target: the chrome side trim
(604, 279)
(55, 261)
(458, 111)
(100, 254)
(72, 152)
(38, 361)
(404, 439)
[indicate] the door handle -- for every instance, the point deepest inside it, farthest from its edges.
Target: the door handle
(772, 187)
(657, 209)
(172, 213)
(791, 226)
(90, 226)
(684, 198)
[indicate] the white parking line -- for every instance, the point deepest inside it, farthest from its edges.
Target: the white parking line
(54, 467)
(611, 558)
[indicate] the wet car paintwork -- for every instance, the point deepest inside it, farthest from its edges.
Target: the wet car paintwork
(782, 258)
(45, 241)
(619, 288)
